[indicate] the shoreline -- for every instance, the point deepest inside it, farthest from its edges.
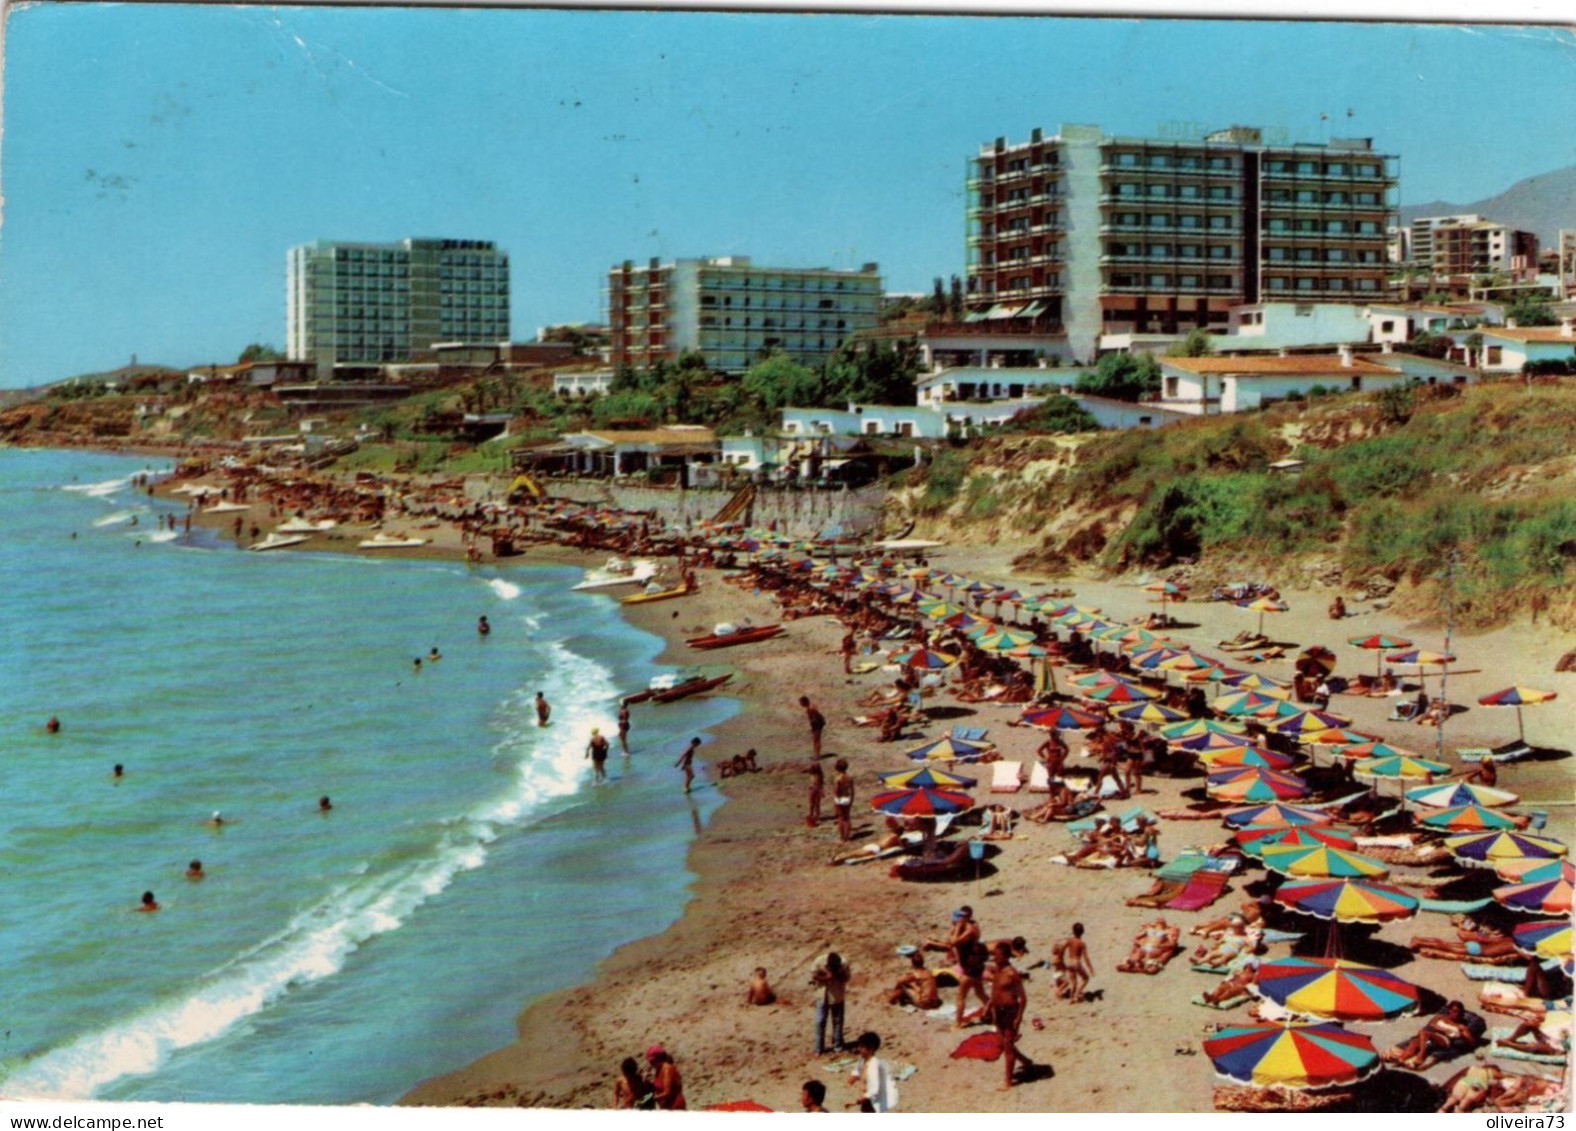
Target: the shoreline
(684, 986)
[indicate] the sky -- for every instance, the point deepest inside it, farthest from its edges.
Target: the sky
(158, 161)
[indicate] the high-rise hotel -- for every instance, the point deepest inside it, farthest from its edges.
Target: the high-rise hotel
(731, 311)
(1092, 235)
(366, 303)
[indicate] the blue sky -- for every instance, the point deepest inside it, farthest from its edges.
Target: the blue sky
(158, 162)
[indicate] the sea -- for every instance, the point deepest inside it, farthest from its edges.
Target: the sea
(468, 864)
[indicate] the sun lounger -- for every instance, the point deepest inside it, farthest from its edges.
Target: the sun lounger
(1006, 777)
(1039, 779)
(1454, 906)
(1405, 711)
(969, 734)
(1498, 1034)
(1482, 972)
(869, 856)
(1202, 889)
(1229, 1003)
(1514, 752)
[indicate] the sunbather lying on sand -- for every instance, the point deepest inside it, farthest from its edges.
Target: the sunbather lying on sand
(1249, 912)
(1155, 944)
(1472, 942)
(1450, 1032)
(1235, 984)
(1549, 1037)
(1471, 1088)
(1236, 942)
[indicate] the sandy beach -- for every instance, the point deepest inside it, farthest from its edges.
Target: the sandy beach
(764, 895)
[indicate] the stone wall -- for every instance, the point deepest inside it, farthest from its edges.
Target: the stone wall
(798, 513)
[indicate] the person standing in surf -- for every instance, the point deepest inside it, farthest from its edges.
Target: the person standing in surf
(596, 750)
(686, 762)
(542, 709)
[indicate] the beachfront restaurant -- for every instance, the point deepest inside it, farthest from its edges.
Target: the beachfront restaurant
(660, 454)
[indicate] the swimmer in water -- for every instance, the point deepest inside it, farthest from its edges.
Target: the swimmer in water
(52, 726)
(194, 871)
(482, 627)
(119, 771)
(148, 902)
(216, 820)
(416, 665)
(323, 804)
(434, 656)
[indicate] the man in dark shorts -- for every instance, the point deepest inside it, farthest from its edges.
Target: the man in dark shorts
(972, 956)
(542, 709)
(1008, 1001)
(817, 723)
(623, 729)
(596, 750)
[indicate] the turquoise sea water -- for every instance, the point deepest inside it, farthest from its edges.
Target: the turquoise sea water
(468, 864)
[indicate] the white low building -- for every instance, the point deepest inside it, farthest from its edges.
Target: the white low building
(1292, 325)
(1506, 349)
(991, 383)
(586, 383)
(1205, 386)
(918, 421)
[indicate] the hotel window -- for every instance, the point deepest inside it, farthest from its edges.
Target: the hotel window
(1335, 198)
(1366, 198)
(1187, 281)
(1188, 192)
(1189, 251)
(1220, 163)
(1223, 223)
(1305, 196)
(1160, 221)
(1222, 282)
(1335, 169)
(1219, 251)
(1160, 192)
(1160, 280)
(1188, 221)
(1304, 284)
(1160, 250)
(1127, 160)
(1159, 161)
(1220, 192)
(1277, 284)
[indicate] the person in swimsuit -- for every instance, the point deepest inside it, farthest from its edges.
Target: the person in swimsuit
(686, 762)
(1070, 961)
(482, 629)
(623, 729)
(843, 800)
(917, 987)
(1008, 1002)
(194, 870)
(817, 791)
(543, 710)
(667, 1086)
(148, 902)
(631, 1090)
(596, 750)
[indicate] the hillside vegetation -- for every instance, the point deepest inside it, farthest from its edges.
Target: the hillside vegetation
(1390, 486)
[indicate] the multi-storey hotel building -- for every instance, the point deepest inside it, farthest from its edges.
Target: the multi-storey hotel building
(1099, 235)
(367, 303)
(731, 312)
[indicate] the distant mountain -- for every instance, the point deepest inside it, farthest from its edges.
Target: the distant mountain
(1543, 204)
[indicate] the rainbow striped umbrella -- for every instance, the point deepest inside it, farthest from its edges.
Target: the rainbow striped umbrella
(1208, 740)
(926, 659)
(1255, 681)
(1153, 658)
(1363, 750)
(1541, 897)
(1466, 818)
(1149, 713)
(1422, 657)
(922, 802)
(1247, 783)
(1256, 838)
(926, 776)
(1195, 727)
(1275, 813)
(1189, 662)
(1488, 849)
(1334, 988)
(1348, 901)
(1264, 605)
(1120, 693)
(1061, 718)
(982, 628)
(1244, 703)
(1225, 757)
(1277, 710)
(947, 749)
(1006, 639)
(1379, 643)
(1216, 673)
(1096, 677)
(1321, 860)
(1547, 938)
(1529, 871)
(1399, 766)
(1447, 795)
(1305, 723)
(1339, 736)
(1292, 1056)
(1518, 697)
(937, 609)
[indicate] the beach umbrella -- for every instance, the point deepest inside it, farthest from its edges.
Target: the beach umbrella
(960, 618)
(1338, 736)
(1149, 713)
(1547, 938)
(1241, 703)
(1216, 672)
(1149, 659)
(922, 802)
(982, 628)
(1447, 795)
(1256, 838)
(947, 749)
(1292, 1056)
(1466, 818)
(1335, 989)
(1227, 757)
(1399, 766)
(937, 609)
(1140, 640)
(926, 776)
(1347, 900)
(925, 659)
(1305, 723)
(1277, 710)
(1379, 643)
(1116, 693)
(1095, 677)
(1421, 658)
(1247, 783)
(1275, 813)
(1006, 639)
(1256, 681)
(1529, 871)
(1265, 605)
(1541, 897)
(1487, 849)
(1372, 749)
(1301, 860)
(1189, 662)
(1206, 741)
(1028, 652)
(1061, 718)
(1195, 727)
(1518, 697)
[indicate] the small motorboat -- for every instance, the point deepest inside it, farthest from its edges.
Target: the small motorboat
(669, 686)
(306, 526)
(618, 571)
(391, 542)
(726, 636)
(690, 687)
(277, 541)
(656, 595)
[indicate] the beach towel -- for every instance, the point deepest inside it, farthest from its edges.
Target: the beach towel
(1169, 890)
(1182, 867)
(969, 734)
(1400, 840)
(981, 1046)
(1274, 936)
(1229, 1003)
(1039, 779)
(1202, 889)
(864, 666)
(1478, 972)
(1498, 1034)
(1454, 906)
(1006, 777)
(869, 856)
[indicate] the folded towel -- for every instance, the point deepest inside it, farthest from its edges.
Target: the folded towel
(1480, 973)
(1006, 777)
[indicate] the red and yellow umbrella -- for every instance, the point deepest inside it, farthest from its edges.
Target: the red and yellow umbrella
(1466, 819)
(1541, 897)
(1518, 697)
(1115, 693)
(1256, 838)
(1247, 783)
(1348, 901)
(1292, 1056)
(1378, 644)
(1302, 860)
(1336, 989)
(1221, 758)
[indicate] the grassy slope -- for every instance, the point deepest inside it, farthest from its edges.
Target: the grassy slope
(1490, 473)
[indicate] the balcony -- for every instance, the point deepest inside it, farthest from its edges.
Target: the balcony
(1232, 291)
